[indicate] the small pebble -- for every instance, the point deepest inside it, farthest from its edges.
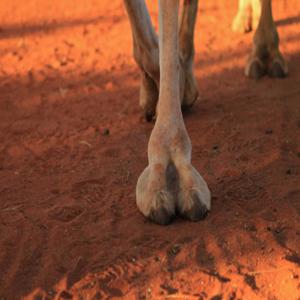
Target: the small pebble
(269, 131)
(52, 293)
(65, 295)
(175, 250)
(106, 131)
(288, 172)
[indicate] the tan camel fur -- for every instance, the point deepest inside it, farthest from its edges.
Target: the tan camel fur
(170, 185)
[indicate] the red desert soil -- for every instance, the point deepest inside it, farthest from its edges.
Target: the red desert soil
(73, 143)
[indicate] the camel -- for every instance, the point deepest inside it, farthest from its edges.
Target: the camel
(170, 184)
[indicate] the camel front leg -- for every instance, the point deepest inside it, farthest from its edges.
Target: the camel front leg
(266, 57)
(170, 183)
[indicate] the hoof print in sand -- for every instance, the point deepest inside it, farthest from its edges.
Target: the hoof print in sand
(65, 213)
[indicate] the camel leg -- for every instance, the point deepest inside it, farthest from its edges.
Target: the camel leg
(243, 19)
(256, 13)
(266, 57)
(187, 52)
(146, 54)
(247, 17)
(170, 183)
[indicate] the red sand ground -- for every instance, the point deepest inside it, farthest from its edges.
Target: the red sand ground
(69, 226)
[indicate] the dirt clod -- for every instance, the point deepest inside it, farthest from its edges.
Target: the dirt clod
(269, 131)
(106, 131)
(169, 289)
(251, 281)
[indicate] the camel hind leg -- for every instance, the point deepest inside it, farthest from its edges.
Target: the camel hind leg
(247, 17)
(146, 54)
(187, 51)
(243, 19)
(266, 57)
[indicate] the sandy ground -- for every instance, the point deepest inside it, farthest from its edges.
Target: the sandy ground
(73, 143)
